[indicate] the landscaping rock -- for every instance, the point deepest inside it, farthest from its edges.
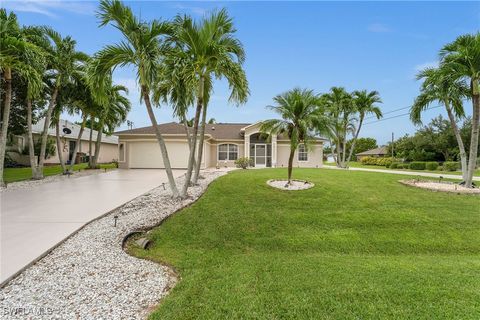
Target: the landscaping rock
(90, 276)
(294, 185)
(441, 186)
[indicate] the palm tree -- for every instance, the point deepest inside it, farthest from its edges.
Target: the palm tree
(16, 56)
(340, 107)
(364, 103)
(142, 48)
(439, 85)
(114, 113)
(64, 64)
(209, 50)
(461, 59)
(298, 109)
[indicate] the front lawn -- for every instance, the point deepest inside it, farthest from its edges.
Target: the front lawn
(358, 245)
(18, 174)
(355, 164)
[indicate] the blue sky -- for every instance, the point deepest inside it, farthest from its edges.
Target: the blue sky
(358, 45)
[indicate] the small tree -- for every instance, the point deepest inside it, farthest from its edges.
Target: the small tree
(298, 109)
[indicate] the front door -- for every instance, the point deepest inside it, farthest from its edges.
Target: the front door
(260, 155)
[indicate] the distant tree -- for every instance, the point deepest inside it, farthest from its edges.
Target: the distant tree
(363, 144)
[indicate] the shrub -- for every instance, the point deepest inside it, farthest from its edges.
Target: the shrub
(451, 166)
(394, 165)
(369, 161)
(432, 166)
(417, 165)
(244, 163)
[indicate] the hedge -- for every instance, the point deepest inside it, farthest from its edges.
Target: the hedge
(417, 165)
(432, 166)
(451, 166)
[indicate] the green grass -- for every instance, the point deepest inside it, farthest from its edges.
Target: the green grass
(360, 165)
(19, 174)
(358, 245)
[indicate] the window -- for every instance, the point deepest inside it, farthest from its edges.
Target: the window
(302, 153)
(227, 152)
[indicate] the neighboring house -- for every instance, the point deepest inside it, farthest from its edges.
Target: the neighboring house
(376, 153)
(68, 135)
(224, 143)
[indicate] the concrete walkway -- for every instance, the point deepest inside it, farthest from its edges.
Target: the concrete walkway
(35, 220)
(408, 173)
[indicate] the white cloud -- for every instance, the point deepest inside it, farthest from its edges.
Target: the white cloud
(378, 28)
(50, 7)
(193, 9)
(429, 64)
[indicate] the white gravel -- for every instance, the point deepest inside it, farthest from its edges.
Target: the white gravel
(441, 186)
(294, 185)
(27, 184)
(89, 276)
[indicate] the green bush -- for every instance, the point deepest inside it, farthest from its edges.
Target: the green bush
(372, 161)
(451, 166)
(432, 166)
(417, 165)
(395, 165)
(244, 163)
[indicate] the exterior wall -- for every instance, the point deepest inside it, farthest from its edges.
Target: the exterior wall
(315, 156)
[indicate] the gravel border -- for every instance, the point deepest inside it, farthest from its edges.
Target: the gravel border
(90, 276)
(28, 184)
(294, 186)
(440, 186)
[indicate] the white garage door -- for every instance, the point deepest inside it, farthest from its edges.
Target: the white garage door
(146, 155)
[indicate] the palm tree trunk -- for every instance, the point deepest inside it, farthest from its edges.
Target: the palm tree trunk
(191, 158)
(90, 158)
(472, 159)
(352, 147)
(59, 145)
(461, 146)
(333, 150)
(77, 143)
(290, 164)
(200, 145)
(187, 133)
(31, 147)
(7, 74)
(43, 146)
(161, 142)
(98, 144)
(337, 149)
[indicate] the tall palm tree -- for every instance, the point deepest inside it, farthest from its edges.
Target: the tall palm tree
(461, 59)
(439, 85)
(16, 55)
(211, 51)
(64, 64)
(341, 109)
(114, 113)
(364, 103)
(141, 48)
(298, 109)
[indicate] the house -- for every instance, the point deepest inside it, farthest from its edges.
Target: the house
(376, 153)
(68, 135)
(224, 143)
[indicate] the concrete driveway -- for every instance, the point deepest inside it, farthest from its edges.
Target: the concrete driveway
(35, 220)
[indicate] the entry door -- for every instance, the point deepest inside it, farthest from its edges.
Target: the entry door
(260, 155)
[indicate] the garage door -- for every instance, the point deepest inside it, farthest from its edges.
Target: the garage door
(147, 155)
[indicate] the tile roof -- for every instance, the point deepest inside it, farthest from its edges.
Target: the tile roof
(217, 130)
(376, 151)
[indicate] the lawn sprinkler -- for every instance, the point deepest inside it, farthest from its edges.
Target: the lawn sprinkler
(163, 185)
(115, 218)
(440, 179)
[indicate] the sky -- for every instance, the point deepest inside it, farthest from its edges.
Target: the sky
(316, 45)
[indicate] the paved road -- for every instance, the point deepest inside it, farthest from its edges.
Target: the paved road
(409, 173)
(35, 220)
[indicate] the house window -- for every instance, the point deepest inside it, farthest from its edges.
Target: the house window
(227, 152)
(121, 152)
(302, 153)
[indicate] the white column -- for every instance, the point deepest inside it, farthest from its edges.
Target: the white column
(274, 151)
(247, 146)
